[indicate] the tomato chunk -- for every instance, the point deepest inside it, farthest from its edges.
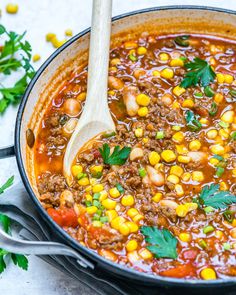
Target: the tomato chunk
(64, 216)
(181, 271)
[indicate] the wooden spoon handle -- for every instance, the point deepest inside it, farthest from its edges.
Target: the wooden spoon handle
(99, 56)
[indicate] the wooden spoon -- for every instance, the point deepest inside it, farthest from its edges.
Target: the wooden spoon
(96, 117)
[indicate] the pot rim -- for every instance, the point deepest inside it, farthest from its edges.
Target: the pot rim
(127, 272)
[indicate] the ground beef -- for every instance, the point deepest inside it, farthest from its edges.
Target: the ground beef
(51, 183)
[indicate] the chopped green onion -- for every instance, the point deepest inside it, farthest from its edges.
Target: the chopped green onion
(229, 215)
(160, 135)
(208, 209)
(96, 196)
(233, 135)
(120, 188)
(97, 174)
(224, 124)
(218, 157)
(208, 229)
(209, 91)
(81, 175)
(220, 171)
(232, 92)
(182, 40)
(183, 58)
(88, 203)
(104, 219)
(202, 244)
(192, 122)
(213, 110)
(109, 134)
(96, 203)
(226, 246)
(96, 217)
(133, 57)
(198, 94)
(99, 212)
(142, 172)
(176, 128)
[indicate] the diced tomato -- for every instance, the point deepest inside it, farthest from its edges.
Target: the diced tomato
(96, 153)
(64, 216)
(83, 220)
(181, 271)
(190, 254)
(97, 232)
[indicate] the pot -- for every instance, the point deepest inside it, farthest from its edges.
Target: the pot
(71, 57)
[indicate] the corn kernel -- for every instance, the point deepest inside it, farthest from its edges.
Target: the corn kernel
(57, 43)
(88, 197)
(234, 222)
(176, 170)
(223, 186)
(84, 181)
(211, 134)
(208, 274)
(12, 8)
(88, 188)
(214, 161)
(142, 112)
(132, 212)
(220, 78)
(175, 105)
(50, 36)
(167, 73)
(103, 196)
(133, 227)
(188, 103)
(224, 133)
(91, 210)
(176, 128)
(145, 254)
(97, 223)
(177, 62)
(218, 97)
(184, 159)
(173, 179)
(234, 172)
(228, 117)
(154, 158)
(185, 237)
(93, 181)
(157, 197)
(96, 169)
(164, 56)
(219, 234)
(186, 176)
(138, 132)
(127, 200)
(145, 140)
(109, 204)
(141, 50)
(156, 73)
(177, 90)
(117, 221)
(143, 100)
(133, 256)
(217, 149)
(36, 57)
(114, 193)
(195, 145)
(81, 96)
(204, 121)
(124, 229)
(131, 245)
(97, 188)
(181, 149)
(168, 156)
(130, 45)
(197, 176)
(178, 137)
(179, 190)
(76, 169)
(68, 33)
(228, 79)
(111, 214)
(138, 217)
(181, 210)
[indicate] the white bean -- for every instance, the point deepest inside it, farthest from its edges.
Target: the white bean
(136, 153)
(129, 97)
(168, 203)
(197, 156)
(156, 177)
(70, 125)
(66, 198)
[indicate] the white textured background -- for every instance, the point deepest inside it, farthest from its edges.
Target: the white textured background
(39, 17)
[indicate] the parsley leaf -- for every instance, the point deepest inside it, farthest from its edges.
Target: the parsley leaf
(200, 72)
(20, 260)
(118, 157)
(212, 196)
(7, 184)
(192, 122)
(163, 243)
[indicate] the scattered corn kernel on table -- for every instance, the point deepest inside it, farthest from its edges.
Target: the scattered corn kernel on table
(59, 17)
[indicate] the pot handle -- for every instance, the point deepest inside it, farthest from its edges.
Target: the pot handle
(18, 246)
(7, 152)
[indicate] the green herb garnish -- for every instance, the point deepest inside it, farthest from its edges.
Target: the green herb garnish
(118, 157)
(209, 91)
(132, 57)
(232, 92)
(162, 242)
(213, 110)
(218, 157)
(192, 122)
(212, 196)
(160, 135)
(120, 188)
(233, 135)
(142, 172)
(223, 124)
(219, 171)
(7, 184)
(200, 72)
(229, 215)
(109, 134)
(182, 41)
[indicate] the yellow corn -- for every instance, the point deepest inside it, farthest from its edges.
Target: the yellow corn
(103, 196)
(81, 96)
(145, 254)
(127, 200)
(181, 149)
(164, 56)
(130, 45)
(124, 229)
(143, 100)
(167, 73)
(142, 50)
(217, 149)
(117, 221)
(138, 132)
(177, 62)
(220, 78)
(181, 210)
(185, 237)
(133, 227)
(211, 134)
(197, 176)
(218, 234)
(97, 188)
(186, 176)
(132, 212)
(204, 121)
(145, 140)
(36, 57)
(109, 204)
(133, 256)
(179, 190)
(224, 133)
(156, 73)
(88, 197)
(157, 197)
(91, 210)
(93, 181)
(50, 36)
(208, 274)
(177, 90)
(68, 32)
(12, 8)
(88, 189)
(83, 181)
(188, 103)
(138, 217)
(175, 105)
(168, 156)
(173, 179)
(176, 170)
(195, 145)
(214, 161)
(142, 112)
(97, 223)
(111, 214)
(131, 245)
(228, 79)
(154, 158)
(114, 193)
(96, 169)
(76, 169)
(228, 117)
(218, 97)
(184, 159)
(178, 137)
(223, 186)
(234, 172)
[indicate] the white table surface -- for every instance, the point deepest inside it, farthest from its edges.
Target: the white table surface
(39, 17)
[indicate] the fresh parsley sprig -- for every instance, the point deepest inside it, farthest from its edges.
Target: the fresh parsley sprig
(192, 122)
(213, 197)
(118, 157)
(199, 72)
(18, 259)
(15, 54)
(162, 242)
